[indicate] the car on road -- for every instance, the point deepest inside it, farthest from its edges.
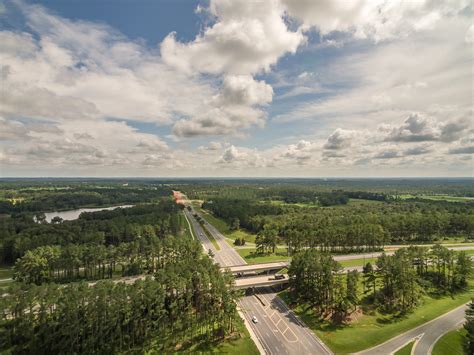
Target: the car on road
(279, 277)
(254, 319)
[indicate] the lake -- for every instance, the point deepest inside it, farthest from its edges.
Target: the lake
(74, 214)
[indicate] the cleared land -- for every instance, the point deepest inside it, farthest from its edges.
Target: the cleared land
(450, 343)
(375, 328)
(440, 197)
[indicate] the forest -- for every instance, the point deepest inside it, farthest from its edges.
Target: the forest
(362, 225)
(133, 279)
(69, 295)
(394, 284)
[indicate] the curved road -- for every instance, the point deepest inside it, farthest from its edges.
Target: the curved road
(427, 334)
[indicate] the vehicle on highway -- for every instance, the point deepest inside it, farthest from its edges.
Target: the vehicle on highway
(277, 277)
(254, 319)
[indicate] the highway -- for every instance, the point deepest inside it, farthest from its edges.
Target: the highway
(426, 334)
(279, 330)
(226, 255)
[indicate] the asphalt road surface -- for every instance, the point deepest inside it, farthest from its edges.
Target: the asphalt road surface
(427, 334)
(226, 255)
(278, 329)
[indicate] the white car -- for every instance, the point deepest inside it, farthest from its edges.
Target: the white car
(254, 319)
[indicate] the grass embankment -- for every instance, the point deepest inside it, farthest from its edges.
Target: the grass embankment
(357, 262)
(251, 256)
(406, 350)
(239, 344)
(375, 328)
(186, 226)
(451, 343)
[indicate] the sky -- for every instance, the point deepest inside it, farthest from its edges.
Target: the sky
(244, 88)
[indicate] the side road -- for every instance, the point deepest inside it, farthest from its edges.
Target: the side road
(427, 334)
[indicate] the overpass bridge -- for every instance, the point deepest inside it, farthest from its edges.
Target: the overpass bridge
(257, 268)
(271, 280)
(261, 280)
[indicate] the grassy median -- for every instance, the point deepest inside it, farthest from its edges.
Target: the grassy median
(406, 350)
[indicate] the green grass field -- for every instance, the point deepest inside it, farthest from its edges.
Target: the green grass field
(451, 343)
(372, 329)
(283, 203)
(406, 350)
(440, 197)
(238, 345)
(251, 257)
(186, 226)
(352, 202)
(357, 262)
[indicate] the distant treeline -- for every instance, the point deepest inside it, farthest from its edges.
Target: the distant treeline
(252, 188)
(38, 200)
(20, 233)
(349, 228)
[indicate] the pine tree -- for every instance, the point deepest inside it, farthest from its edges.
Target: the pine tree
(469, 326)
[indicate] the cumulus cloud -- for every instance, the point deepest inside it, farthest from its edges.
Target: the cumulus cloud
(72, 91)
(418, 128)
(339, 139)
(83, 70)
(375, 19)
(247, 38)
(301, 152)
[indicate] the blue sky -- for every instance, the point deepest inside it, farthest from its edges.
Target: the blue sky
(236, 88)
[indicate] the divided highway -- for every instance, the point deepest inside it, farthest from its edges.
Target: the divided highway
(278, 330)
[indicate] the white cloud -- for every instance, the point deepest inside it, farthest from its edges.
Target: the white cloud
(77, 70)
(247, 38)
(375, 19)
(339, 139)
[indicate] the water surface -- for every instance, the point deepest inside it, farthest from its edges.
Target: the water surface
(74, 214)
